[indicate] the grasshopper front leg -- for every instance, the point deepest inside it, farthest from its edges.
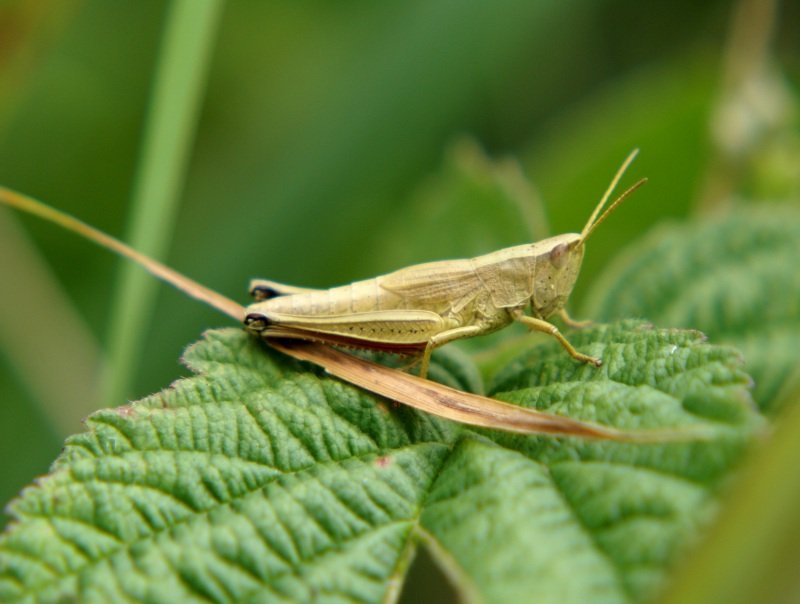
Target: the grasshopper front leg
(570, 322)
(543, 326)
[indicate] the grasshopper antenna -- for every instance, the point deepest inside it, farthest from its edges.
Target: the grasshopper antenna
(163, 272)
(594, 221)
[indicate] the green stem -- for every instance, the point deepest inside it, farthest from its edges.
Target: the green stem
(169, 132)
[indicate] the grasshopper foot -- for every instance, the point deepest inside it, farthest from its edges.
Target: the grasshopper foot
(594, 361)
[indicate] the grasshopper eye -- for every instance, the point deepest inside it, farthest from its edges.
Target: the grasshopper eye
(255, 322)
(558, 255)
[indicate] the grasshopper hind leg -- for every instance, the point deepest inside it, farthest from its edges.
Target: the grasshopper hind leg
(259, 293)
(256, 323)
(422, 358)
(264, 289)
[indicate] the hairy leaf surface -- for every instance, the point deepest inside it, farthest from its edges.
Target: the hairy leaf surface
(261, 479)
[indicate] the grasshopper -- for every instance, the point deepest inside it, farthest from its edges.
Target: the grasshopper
(412, 310)
(421, 307)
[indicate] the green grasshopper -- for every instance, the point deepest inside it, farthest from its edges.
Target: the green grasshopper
(419, 308)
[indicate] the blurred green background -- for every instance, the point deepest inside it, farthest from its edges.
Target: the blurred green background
(322, 128)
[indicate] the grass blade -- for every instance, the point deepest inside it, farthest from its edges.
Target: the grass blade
(175, 102)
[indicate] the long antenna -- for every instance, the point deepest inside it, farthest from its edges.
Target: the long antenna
(163, 272)
(593, 221)
(613, 207)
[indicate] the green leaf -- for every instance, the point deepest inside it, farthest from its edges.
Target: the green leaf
(734, 278)
(750, 553)
(261, 479)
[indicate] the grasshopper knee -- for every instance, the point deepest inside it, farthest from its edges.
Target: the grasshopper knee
(256, 322)
(263, 292)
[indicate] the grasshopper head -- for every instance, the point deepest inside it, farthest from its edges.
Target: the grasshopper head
(554, 279)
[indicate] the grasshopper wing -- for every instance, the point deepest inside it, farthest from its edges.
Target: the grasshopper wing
(434, 284)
